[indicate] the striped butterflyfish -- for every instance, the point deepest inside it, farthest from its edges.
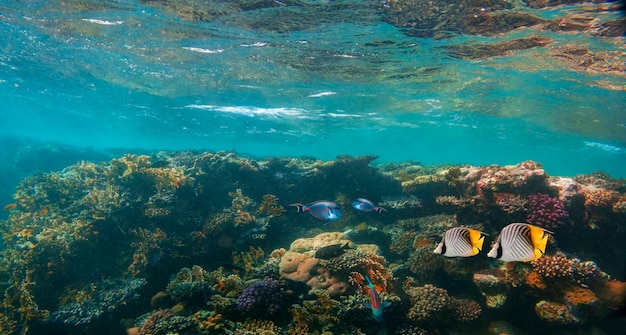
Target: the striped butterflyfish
(520, 242)
(461, 242)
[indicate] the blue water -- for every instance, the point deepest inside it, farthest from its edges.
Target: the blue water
(127, 74)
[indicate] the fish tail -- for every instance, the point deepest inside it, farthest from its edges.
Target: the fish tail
(380, 209)
(298, 207)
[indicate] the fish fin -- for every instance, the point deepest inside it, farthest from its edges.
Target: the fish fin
(539, 238)
(477, 238)
(298, 207)
(386, 304)
(326, 222)
(367, 304)
(369, 282)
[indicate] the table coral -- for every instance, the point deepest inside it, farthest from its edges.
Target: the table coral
(107, 296)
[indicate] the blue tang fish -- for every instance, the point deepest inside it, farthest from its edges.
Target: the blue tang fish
(322, 209)
(375, 304)
(365, 206)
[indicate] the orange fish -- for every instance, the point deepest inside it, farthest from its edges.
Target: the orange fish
(10, 207)
(43, 211)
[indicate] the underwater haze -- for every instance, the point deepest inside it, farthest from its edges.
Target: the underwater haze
(321, 79)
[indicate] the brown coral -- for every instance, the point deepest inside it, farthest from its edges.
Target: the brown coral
(465, 310)
(580, 296)
(557, 266)
(533, 279)
(599, 198)
(428, 302)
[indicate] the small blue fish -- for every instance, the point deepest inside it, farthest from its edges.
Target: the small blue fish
(323, 210)
(365, 206)
(374, 304)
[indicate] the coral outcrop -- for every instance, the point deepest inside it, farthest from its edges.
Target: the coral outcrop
(299, 263)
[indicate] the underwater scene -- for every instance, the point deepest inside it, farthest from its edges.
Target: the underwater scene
(323, 167)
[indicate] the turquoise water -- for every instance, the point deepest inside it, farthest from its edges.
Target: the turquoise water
(148, 184)
(326, 79)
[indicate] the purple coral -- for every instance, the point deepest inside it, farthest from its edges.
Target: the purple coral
(545, 211)
(262, 298)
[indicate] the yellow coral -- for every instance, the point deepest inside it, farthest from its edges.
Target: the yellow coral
(249, 259)
(599, 198)
(260, 327)
(208, 321)
(268, 206)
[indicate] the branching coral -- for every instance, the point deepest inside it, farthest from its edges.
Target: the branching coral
(428, 302)
(557, 266)
(575, 270)
(258, 327)
(545, 211)
(191, 286)
(314, 314)
(599, 198)
(511, 203)
(250, 259)
(269, 206)
(263, 298)
(465, 310)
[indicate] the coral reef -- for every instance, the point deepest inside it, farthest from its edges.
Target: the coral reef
(103, 298)
(215, 219)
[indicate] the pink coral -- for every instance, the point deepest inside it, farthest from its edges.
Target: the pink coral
(545, 211)
(148, 327)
